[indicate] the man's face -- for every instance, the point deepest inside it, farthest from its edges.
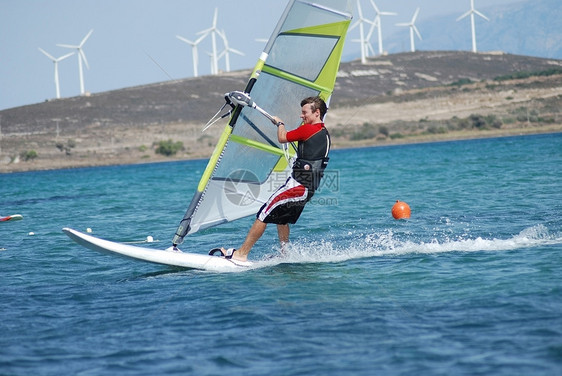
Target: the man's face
(308, 116)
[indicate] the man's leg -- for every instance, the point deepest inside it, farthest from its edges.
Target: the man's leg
(256, 231)
(283, 232)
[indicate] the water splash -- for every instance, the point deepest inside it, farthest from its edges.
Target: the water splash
(387, 243)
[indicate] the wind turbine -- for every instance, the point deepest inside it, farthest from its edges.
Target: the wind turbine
(213, 31)
(472, 12)
(378, 22)
(56, 61)
(227, 50)
(413, 29)
(194, 51)
(368, 45)
(363, 41)
(81, 56)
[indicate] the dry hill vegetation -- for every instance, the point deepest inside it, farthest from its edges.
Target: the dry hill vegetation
(410, 97)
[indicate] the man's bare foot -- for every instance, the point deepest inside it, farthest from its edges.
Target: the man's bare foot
(233, 254)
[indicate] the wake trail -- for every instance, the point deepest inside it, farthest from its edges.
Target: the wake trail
(387, 244)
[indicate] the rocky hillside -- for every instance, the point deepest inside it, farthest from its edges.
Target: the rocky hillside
(390, 99)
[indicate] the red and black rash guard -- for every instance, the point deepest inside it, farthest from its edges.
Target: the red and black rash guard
(314, 141)
(312, 154)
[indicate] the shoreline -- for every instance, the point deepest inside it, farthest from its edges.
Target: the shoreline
(46, 165)
(110, 129)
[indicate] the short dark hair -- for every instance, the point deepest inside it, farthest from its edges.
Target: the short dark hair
(316, 103)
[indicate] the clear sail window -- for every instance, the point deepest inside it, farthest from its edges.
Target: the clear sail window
(289, 54)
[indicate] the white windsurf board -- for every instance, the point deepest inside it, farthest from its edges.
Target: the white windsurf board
(158, 256)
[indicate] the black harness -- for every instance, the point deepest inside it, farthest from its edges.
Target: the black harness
(312, 159)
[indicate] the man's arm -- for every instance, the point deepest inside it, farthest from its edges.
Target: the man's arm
(281, 131)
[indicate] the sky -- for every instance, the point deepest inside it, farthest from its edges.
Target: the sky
(134, 41)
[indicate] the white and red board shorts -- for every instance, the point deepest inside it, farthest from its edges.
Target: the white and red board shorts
(286, 204)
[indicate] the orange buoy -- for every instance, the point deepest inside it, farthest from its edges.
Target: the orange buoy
(400, 210)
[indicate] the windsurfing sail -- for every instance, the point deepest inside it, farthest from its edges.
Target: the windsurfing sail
(301, 59)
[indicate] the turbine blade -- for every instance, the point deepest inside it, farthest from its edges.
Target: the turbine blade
(200, 39)
(464, 15)
(84, 58)
(86, 37)
(417, 32)
(402, 24)
(236, 52)
(215, 17)
(481, 15)
(362, 21)
(375, 6)
(371, 31)
(67, 46)
(416, 15)
(359, 11)
(65, 56)
(46, 54)
(185, 40)
(222, 34)
(205, 32)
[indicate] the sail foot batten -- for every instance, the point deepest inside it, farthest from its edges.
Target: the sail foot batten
(296, 79)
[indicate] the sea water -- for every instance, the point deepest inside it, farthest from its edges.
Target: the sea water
(471, 284)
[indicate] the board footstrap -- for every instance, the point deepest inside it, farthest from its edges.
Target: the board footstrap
(227, 255)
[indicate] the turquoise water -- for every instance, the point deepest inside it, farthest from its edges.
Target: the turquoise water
(471, 284)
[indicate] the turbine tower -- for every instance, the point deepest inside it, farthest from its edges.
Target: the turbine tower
(211, 59)
(413, 29)
(213, 31)
(472, 12)
(194, 51)
(56, 61)
(227, 50)
(378, 22)
(81, 56)
(363, 41)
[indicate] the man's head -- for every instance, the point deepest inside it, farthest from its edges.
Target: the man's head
(316, 103)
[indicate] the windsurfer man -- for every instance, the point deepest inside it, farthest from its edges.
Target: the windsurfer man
(286, 204)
